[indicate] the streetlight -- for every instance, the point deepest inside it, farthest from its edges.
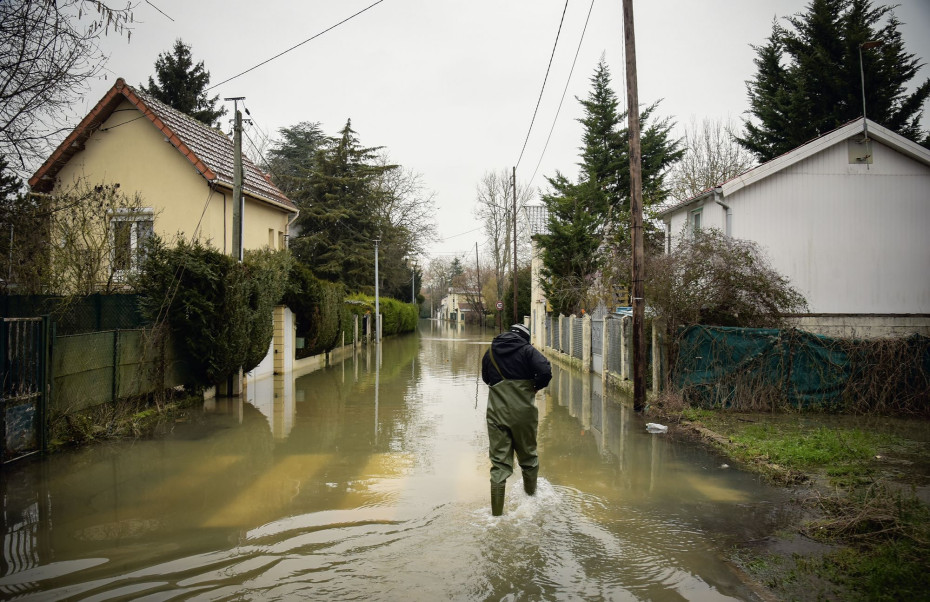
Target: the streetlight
(865, 45)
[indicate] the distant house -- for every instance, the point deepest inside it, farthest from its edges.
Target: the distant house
(845, 218)
(181, 168)
(459, 306)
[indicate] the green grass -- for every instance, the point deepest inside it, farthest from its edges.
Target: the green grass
(801, 450)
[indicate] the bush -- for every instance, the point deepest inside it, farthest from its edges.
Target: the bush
(715, 280)
(219, 310)
(317, 307)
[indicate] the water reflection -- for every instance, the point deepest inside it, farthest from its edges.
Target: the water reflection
(369, 479)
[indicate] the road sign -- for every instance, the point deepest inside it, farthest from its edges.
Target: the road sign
(500, 305)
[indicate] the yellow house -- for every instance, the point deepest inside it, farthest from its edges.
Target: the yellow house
(181, 168)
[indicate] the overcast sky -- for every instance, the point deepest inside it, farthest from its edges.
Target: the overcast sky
(449, 88)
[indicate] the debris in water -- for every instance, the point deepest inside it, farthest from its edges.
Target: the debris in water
(652, 427)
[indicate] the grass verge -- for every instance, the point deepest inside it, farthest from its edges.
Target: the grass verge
(858, 494)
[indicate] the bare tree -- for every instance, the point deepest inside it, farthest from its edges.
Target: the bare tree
(48, 53)
(495, 211)
(712, 156)
(406, 205)
(83, 240)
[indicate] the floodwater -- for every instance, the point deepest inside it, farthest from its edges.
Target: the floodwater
(368, 480)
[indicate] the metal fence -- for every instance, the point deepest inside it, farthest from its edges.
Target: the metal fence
(103, 367)
(614, 339)
(74, 315)
(597, 337)
(23, 386)
(566, 336)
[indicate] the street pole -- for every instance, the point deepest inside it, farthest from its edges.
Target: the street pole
(636, 208)
(478, 297)
(237, 199)
(377, 302)
(514, 182)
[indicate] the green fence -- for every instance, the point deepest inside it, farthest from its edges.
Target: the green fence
(103, 367)
(73, 315)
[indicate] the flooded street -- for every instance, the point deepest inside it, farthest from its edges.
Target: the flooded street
(368, 480)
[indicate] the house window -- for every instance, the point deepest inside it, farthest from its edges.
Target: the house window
(130, 229)
(696, 221)
(271, 238)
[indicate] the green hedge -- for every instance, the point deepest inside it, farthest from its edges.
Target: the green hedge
(219, 310)
(317, 306)
(399, 317)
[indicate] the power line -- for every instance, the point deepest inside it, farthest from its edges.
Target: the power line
(539, 100)
(280, 54)
(564, 91)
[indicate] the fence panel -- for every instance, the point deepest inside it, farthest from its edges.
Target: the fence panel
(614, 359)
(597, 337)
(578, 339)
(566, 336)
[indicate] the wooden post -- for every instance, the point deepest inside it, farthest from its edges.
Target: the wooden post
(636, 209)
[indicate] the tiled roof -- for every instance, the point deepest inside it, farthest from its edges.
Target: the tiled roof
(208, 149)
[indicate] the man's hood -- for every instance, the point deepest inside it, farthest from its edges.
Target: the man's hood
(508, 342)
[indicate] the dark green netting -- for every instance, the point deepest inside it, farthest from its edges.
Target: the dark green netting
(716, 364)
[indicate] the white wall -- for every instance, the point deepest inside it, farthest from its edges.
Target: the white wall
(852, 238)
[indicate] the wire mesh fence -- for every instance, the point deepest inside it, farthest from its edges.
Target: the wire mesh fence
(74, 315)
(577, 338)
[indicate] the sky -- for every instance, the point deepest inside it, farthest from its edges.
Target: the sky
(450, 88)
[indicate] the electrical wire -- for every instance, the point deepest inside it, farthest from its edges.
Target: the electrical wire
(539, 100)
(567, 82)
(280, 54)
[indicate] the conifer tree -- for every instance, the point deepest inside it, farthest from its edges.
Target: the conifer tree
(808, 78)
(590, 218)
(338, 220)
(183, 85)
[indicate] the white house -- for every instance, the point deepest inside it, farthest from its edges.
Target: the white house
(845, 217)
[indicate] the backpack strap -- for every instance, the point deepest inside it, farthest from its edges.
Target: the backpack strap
(493, 361)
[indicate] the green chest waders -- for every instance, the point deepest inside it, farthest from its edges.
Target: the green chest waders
(512, 419)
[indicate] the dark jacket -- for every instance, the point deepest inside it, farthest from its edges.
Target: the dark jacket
(517, 359)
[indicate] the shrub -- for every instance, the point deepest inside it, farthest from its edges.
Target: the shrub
(220, 310)
(317, 307)
(715, 280)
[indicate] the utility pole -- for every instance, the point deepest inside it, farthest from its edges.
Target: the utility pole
(514, 183)
(478, 298)
(413, 283)
(636, 208)
(377, 301)
(237, 200)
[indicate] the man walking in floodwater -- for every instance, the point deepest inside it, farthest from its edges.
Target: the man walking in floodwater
(515, 370)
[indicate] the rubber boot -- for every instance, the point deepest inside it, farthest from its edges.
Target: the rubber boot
(529, 484)
(497, 498)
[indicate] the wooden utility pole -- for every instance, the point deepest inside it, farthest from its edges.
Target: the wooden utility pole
(479, 299)
(237, 199)
(514, 183)
(636, 209)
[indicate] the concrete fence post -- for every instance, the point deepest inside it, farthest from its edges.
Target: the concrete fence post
(659, 355)
(605, 347)
(626, 347)
(586, 343)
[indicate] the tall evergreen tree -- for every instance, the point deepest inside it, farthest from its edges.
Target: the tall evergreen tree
(590, 217)
(183, 85)
(292, 159)
(338, 219)
(808, 78)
